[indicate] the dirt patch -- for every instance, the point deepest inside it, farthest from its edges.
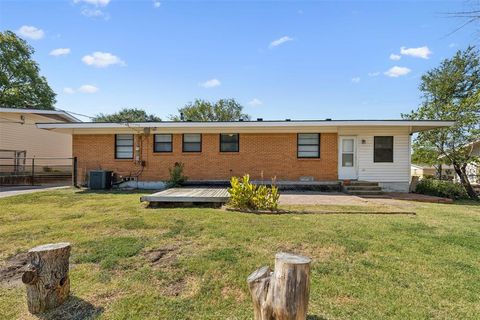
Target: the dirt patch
(11, 270)
(162, 256)
(174, 289)
(183, 287)
(233, 293)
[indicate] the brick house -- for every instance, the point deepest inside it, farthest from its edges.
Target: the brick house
(326, 150)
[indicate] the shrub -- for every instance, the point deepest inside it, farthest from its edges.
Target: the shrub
(245, 195)
(441, 188)
(176, 175)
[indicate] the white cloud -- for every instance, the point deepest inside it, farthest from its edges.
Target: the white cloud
(373, 74)
(91, 8)
(280, 41)
(212, 83)
(420, 52)
(95, 13)
(255, 102)
(397, 71)
(102, 59)
(68, 90)
(31, 32)
(59, 52)
(356, 79)
(87, 88)
(157, 3)
(452, 45)
(97, 3)
(395, 57)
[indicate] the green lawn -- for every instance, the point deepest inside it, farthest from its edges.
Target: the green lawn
(129, 262)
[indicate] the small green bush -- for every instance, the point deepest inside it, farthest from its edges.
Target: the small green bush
(245, 195)
(441, 188)
(176, 175)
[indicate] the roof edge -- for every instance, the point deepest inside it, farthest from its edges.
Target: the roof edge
(68, 117)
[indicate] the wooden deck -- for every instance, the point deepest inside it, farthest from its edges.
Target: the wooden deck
(186, 195)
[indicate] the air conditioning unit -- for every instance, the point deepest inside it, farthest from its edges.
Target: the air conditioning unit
(100, 179)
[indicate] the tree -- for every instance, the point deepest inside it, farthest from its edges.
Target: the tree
(126, 115)
(21, 85)
(427, 154)
(452, 92)
(202, 110)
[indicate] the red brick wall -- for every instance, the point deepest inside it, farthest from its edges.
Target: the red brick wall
(273, 154)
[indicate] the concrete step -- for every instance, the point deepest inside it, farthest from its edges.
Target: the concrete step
(365, 192)
(359, 188)
(362, 183)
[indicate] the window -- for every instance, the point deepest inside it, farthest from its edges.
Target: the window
(229, 142)
(308, 145)
(348, 153)
(383, 149)
(162, 143)
(124, 146)
(192, 142)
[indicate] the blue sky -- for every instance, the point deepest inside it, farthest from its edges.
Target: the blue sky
(299, 60)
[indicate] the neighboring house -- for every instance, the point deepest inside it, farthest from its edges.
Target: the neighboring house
(21, 140)
(326, 150)
(422, 171)
(473, 169)
(19, 135)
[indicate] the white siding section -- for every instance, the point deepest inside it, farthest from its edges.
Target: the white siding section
(398, 170)
(26, 136)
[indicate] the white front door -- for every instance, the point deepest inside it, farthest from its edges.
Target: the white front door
(347, 158)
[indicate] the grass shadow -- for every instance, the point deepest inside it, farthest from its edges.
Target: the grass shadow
(116, 191)
(315, 317)
(466, 202)
(74, 308)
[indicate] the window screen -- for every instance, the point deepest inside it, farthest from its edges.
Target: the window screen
(162, 143)
(383, 149)
(229, 142)
(192, 142)
(124, 146)
(308, 145)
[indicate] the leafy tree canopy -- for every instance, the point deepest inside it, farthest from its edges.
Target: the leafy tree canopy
(21, 85)
(127, 115)
(451, 92)
(202, 110)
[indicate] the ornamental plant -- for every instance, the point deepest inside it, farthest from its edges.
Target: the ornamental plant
(244, 195)
(176, 175)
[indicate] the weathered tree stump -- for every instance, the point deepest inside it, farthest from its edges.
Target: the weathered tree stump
(46, 276)
(282, 294)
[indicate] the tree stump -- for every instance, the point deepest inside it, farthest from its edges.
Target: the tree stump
(282, 294)
(46, 276)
